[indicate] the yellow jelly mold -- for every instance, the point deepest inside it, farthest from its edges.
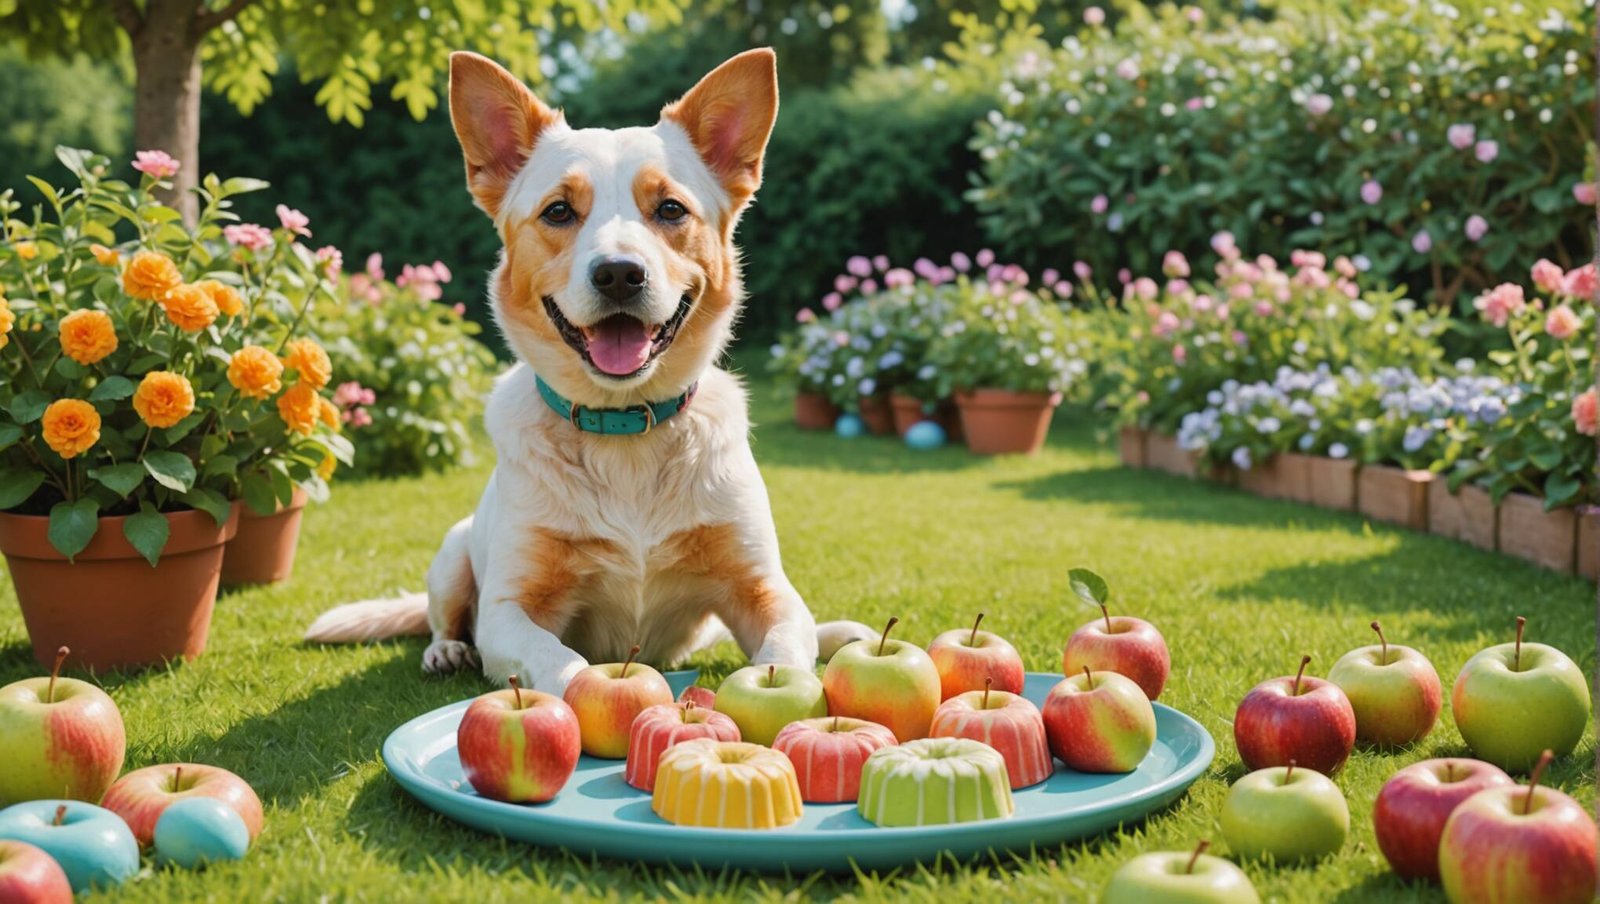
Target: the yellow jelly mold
(726, 785)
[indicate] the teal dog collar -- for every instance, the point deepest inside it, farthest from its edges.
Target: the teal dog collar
(630, 421)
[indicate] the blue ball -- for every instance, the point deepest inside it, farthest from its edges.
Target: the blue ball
(199, 830)
(925, 435)
(849, 426)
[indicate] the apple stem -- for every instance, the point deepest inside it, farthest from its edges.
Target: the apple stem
(55, 672)
(1384, 644)
(688, 707)
(177, 778)
(1195, 857)
(1449, 771)
(772, 675)
(835, 728)
(629, 661)
(1533, 780)
(1288, 771)
(516, 690)
(1304, 661)
(987, 683)
(61, 815)
(973, 640)
(1516, 664)
(1090, 676)
(893, 620)
(1106, 614)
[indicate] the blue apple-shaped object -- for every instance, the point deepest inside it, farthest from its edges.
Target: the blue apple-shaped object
(849, 426)
(92, 844)
(199, 830)
(925, 435)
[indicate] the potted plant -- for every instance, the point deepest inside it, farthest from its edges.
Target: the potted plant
(130, 406)
(804, 357)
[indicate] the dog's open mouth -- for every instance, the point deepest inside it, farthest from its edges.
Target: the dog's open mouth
(621, 345)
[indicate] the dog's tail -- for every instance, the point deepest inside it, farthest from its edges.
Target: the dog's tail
(371, 620)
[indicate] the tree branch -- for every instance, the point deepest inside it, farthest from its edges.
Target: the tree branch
(127, 15)
(204, 21)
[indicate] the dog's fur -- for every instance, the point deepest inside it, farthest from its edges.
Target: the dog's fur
(584, 545)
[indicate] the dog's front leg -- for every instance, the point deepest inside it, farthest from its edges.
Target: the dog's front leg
(771, 622)
(510, 643)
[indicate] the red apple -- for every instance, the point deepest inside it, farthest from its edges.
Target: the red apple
(890, 682)
(518, 746)
(1510, 845)
(968, 660)
(664, 725)
(828, 754)
(1305, 719)
(143, 794)
(608, 697)
(1007, 722)
(1393, 689)
(62, 738)
(1125, 645)
(30, 876)
(1099, 722)
(1412, 808)
(703, 697)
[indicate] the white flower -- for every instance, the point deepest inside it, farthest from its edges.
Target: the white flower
(1339, 450)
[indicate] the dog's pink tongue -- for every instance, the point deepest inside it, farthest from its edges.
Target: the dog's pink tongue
(619, 345)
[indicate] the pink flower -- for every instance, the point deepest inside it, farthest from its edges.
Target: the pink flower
(1145, 288)
(899, 276)
(831, 301)
(1128, 69)
(1500, 304)
(1063, 289)
(1319, 104)
(1581, 283)
(1547, 275)
(881, 262)
(1461, 135)
(357, 418)
(1082, 270)
(1486, 151)
(1165, 325)
(331, 259)
(1124, 276)
(1178, 287)
(843, 283)
(925, 268)
(353, 393)
(805, 315)
(423, 280)
(1174, 264)
(1194, 103)
(1584, 193)
(1179, 355)
(1422, 242)
(1202, 303)
(1316, 260)
(441, 272)
(1264, 309)
(248, 235)
(293, 220)
(1098, 204)
(1050, 276)
(1371, 191)
(1344, 266)
(1586, 413)
(375, 266)
(1240, 339)
(1477, 227)
(841, 338)
(869, 287)
(1094, 16)
(460, 308)
(985, 258)
(1194, 14)
(960, 262)
(859, 266)
(156, 163)
(1562, 322)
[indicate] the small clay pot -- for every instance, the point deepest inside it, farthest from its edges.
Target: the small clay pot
(877, 414)
(1002, 422)
(907, 412)
(813, 411)
(262, 552)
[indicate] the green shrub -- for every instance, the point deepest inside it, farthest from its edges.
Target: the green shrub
(47, 103)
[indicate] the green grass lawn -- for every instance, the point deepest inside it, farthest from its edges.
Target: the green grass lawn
(1240, 586)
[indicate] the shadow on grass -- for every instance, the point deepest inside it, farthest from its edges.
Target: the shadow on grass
(1166, 497)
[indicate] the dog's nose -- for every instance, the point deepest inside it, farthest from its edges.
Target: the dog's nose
(618, 278)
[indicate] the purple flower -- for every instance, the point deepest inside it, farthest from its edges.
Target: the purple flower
(859, 266)
(1486, 151)
(1098, 204)
(985, 258)
(1371, 191)
(1422, 242)
(1082, 270)
(1477, 227)
(881, 262)
(831, 301)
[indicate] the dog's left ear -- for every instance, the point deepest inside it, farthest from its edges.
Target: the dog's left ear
(729, 116)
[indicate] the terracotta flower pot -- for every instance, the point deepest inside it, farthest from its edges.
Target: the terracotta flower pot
(1331, 483)
(110, 606)
(877, 414)
(1131, 446)
(1394, 495)
(262, 551)
(1162, 453)
(1002, 422)
(813, 411)
(1589, 542)
(1468, 515)
(949, 417)
(1527, 531)
(907, 412)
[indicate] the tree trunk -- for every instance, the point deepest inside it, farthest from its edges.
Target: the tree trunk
(166, 101)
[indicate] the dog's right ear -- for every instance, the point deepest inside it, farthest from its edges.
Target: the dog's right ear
(497, 120)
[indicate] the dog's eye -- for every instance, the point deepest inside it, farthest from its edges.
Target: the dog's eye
(671, 211)
(557, 214)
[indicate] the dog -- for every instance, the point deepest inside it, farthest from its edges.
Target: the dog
(625, 508)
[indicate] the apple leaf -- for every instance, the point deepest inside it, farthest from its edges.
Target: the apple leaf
(147, 531)
(1090, 587)
(72, 526)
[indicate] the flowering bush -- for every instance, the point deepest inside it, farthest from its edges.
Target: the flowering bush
(414, 375)
(169, 371)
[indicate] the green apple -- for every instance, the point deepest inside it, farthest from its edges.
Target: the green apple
(890, 682)
(1515, 700)
(1393, 689)
(1286, 813)
(761, 700)
(61, 738)
(1179, 877)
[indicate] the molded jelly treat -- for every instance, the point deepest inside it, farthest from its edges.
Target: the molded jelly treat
(195, 831)
(1007, 722)
(828, 754)
(660, 727)
(726, 785)
(934, 781)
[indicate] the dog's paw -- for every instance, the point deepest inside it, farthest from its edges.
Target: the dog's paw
(442, 657)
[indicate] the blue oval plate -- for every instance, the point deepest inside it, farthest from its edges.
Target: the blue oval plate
(600, 814)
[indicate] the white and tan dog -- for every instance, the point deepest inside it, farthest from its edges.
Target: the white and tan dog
(618, 287)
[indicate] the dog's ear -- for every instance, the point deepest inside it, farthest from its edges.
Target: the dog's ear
(729, 116)
(497, 120)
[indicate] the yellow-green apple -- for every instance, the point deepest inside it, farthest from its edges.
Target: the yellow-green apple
(967, 660)
(1179, 877)
(62, 738)
(1393, 690)
(1514, 700)
(1285, 812)
(828, 754)
(519, 746)
(608, 697)
(91, 844)
(1009, 723)
(140, 796)
(1413, 806)
(1302, 718)
(1099, 722)
(1511, 844)
(30, 876)
(1128, 646)
(663, 725)
(762, 699)
(890, 682)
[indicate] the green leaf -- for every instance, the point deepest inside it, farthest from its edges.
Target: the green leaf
(17, 486)
(220, 464)
(9, 434)
(209, 502)
(1090, 587)
(182, 428)
(112, 389)
(72, 526)
(120, 479)
(1546, 459)
(147, 531)
(1559, 489)
(257, 491)
(29, 405)
(170, 469)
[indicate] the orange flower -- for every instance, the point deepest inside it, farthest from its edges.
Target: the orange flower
(71, 426)
(163, 398)
(329, 413)
(7, 319)
(88, 336)
(307, 357)
(190, 307)
(27, 250)
(325, 469)
(255, 372)
(300, 406)
(150, 276)
(106, 256)
(225, 297)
